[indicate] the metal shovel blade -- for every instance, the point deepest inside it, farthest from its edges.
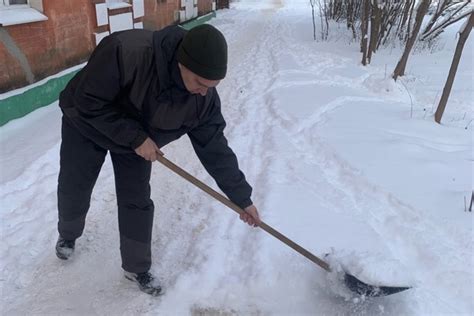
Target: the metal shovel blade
(367, 290)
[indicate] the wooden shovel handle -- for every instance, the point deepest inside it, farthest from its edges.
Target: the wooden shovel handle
(167, 163)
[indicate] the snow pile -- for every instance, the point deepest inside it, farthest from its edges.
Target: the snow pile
(374, 269)
(385, 85)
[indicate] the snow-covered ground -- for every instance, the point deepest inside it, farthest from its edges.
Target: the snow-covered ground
(342, 160)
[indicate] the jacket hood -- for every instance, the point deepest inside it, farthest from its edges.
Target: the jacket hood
(165, 46)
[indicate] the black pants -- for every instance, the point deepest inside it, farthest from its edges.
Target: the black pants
(80, 164)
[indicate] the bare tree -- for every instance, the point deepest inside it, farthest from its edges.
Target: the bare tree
(375, 18)
(352, 8)
(385, 21)
(388, 21)
(406, 36)
(447, 13)
(386, 17)
(403, 16)
(402, 63)
(340, 10)
(464, 34)
(472, 198)
(323, 14)
(364, 29)
(312, 2)
(441, 7)
(407, 12)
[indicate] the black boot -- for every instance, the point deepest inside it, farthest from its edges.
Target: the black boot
(64, 248)
(146, 282)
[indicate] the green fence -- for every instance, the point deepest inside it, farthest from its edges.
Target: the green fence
(21, 104)
(199, 20)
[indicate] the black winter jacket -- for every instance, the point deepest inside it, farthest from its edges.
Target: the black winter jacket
(131, 88)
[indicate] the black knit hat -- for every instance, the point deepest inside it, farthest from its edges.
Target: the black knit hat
(204, 52)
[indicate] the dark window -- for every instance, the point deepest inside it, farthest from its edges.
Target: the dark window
(18, 1)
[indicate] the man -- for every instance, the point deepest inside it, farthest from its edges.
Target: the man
(139, 91)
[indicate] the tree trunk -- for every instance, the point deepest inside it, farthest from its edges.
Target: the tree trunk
(326, 19)
(351, 18)
(364, 30)
(454, 66)
(409, 22)
(314, 23)
(374, 29)
(402, 63)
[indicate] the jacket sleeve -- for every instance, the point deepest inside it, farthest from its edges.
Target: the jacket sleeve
(218, 158)
(100, 83)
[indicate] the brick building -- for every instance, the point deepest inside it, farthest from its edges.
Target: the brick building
(39, 38)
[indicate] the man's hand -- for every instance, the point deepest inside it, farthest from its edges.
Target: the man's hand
(251, 216)
(148, 150)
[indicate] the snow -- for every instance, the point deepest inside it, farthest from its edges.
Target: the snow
(118, 5)
(19, 15)
(343, 161)
(42, 81)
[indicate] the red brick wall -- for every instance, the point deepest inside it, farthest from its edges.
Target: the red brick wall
(65, 39)
(60, 42)
(160, 13)
(204, 6)
(11, 74)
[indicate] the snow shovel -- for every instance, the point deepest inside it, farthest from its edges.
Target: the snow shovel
(354, 284)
